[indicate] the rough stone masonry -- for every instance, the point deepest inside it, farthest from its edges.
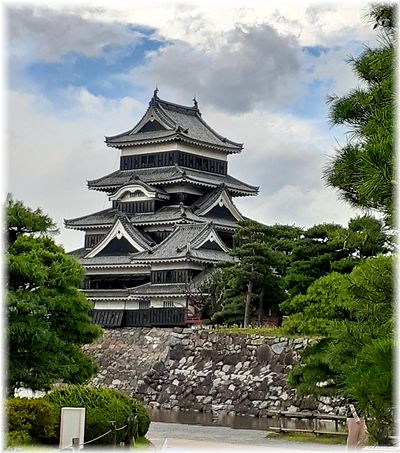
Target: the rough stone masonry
(201, 370)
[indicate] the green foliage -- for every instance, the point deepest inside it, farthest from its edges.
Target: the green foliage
(102, 405)
(312, 255)
(48, 317)
(354, 356)
(281, 262)
(30, 421)
(252, 330)
(326, 439)
(21, 219)
(329, 248)
(363, 169)
(315, 312)
(254, 281)
(36, 262)
(354, 313)
(383, 15)
(374, 393)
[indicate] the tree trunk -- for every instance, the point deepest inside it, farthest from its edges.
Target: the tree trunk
(261, 307)
(249, 296)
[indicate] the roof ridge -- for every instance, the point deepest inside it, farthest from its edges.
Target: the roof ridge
(131, 229)
(92, 214)
(192, 109)
(207, 228)
(101, 177)
(222, 138)
(207, 197)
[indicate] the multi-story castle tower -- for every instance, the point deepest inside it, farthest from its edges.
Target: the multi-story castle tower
(172, 218)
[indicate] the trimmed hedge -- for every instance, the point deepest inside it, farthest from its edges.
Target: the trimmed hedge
(102, 405)
(30, 421)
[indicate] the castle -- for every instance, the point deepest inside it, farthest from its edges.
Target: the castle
(171, 219)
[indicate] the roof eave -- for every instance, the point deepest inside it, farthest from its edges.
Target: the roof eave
(178, 137)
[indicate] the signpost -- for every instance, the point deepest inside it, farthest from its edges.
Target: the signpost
(72, 430)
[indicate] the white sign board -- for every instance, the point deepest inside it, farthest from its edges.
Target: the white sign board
(72, 426)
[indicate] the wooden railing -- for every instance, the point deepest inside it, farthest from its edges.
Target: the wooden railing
(306, 422)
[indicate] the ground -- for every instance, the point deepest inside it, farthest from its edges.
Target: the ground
(188, 438)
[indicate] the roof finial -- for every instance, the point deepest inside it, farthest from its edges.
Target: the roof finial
(195, 101)
(155, 92)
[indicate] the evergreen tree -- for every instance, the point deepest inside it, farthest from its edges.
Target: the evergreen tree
(48, 317)
(327, 248)
(363, 169)
(312, 256)
(253, 285)
(352, 315)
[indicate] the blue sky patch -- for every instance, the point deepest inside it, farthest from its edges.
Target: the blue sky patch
(315, 51)
(97, 74)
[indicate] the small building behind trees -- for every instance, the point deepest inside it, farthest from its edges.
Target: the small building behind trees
(172, 217)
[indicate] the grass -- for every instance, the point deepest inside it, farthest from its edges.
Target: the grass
(263, 330)
(327, 439)
(142, 442)
(275, 332)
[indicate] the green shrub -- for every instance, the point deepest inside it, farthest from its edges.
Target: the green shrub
(30, 421)
(102, 405)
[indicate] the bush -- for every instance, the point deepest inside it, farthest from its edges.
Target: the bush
(102, 405)
(30, 421)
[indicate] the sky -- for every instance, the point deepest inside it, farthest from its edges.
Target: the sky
(261, 73)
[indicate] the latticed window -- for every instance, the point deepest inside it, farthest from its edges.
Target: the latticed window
(144, 304)
(168, 304)
(136, 193)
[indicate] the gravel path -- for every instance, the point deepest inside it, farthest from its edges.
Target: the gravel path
(187, 438)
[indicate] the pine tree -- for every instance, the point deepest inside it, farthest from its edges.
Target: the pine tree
(48, 317)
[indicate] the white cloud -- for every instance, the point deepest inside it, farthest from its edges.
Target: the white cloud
(232, 68)
(285, 156)
(248, 66)
(293, 205)
(40, 33)
(53, 153)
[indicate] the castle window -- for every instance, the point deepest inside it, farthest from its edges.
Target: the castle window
(136, 193)
(143, 304)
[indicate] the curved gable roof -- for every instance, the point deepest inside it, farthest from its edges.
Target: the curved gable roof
(177, 122)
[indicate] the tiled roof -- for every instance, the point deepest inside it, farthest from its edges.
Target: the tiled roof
(78, 253)
(165, 289)
(177, 122)
(177, 246)
(150, 289)
(137, 235)
(106, 293)
(98, 219)
(108, 260)
(168, 175)
(165, 215)
(137, 181)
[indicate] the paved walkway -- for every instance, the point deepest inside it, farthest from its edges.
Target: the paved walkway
(188, 438)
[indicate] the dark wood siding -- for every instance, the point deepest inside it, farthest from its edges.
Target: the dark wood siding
(211, 246)
(91, 240)
(135, 206)
(219, 212)
(117, 247)
(152, 126)
(140, 318)
(108, 318)
(172, 276)
(168, 158)
(137, 318)
(158, 236)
